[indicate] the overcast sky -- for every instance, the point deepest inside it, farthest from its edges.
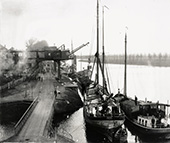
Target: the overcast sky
(63, 21)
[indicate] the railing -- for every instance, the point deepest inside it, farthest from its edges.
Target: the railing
(21, 122)
(62, 133)
(25, 116)
(48, 123)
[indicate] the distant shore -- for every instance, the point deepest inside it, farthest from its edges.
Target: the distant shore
(139, 63)
(159, 60)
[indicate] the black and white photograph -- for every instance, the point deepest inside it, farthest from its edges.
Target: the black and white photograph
(85, 71)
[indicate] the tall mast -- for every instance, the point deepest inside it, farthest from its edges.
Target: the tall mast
(125, 77)
(97, 54)
(103, 58)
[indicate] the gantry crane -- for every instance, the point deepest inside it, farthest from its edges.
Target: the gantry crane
(52, 53)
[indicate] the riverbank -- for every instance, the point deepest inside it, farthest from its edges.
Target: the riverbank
(157, 62)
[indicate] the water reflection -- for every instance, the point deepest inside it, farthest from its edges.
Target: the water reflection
(144, 82)
(80, 132)
(121, 135)
(92, 136)
(75, 126)
(139, 138)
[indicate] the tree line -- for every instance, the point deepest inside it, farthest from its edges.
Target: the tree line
(162, 60)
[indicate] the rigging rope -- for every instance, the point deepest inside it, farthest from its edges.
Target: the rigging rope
(104, 77)
(108, 75)
(108, 79)
(93, 68)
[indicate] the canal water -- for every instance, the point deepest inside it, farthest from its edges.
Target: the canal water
(146, 82)
(10, 113)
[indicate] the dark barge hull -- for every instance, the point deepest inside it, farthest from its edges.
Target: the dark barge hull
(129, 105)
(154, 133)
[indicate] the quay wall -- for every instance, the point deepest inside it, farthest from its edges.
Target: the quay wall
(25, 116)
